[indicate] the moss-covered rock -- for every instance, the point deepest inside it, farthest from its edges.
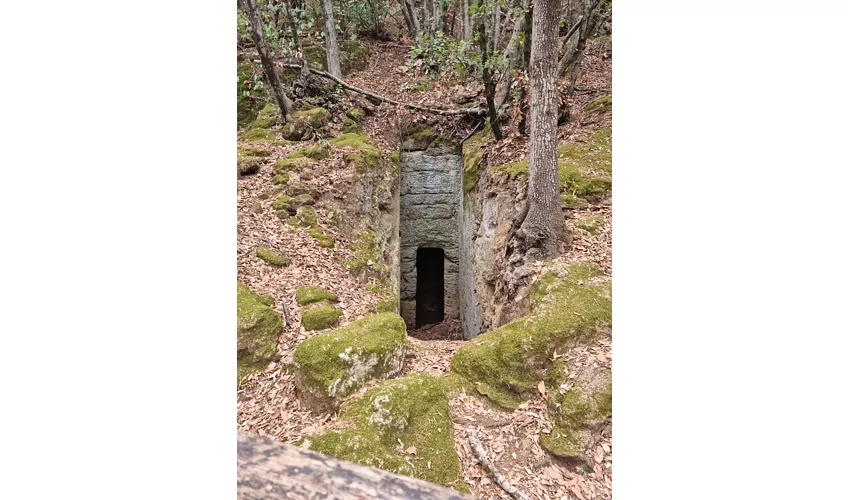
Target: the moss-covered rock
(259, 135)
(324, 240)
(332, 365)
(389, 304)
(601, 104)
(308, 294)
(353, 56)
(302, 122)
(592, 225)
(417, 137)
(350, 126)
(473, 152)
(356, 114)
(570, 306)
(257, 330)
(246, 105)
(247, 165)
(320, 316)
(268, 117)
(271, 257)
(292, 164)
(281, 178)
(306, 216)
(286, 205)
(253, 151)
(296, 188)
(577, 413)
(318, 151)
(390, 421)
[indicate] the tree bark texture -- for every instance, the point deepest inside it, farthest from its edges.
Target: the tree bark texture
(305, 69)
(510, 59)
(331, 46)
(414, 17)
(544, 226)
(489, 84)
(269, 470)
(256, 21)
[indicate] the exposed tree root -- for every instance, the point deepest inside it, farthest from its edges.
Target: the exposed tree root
(499, 478)
(444, 112)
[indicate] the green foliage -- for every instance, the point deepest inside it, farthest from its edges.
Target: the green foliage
(437, 54)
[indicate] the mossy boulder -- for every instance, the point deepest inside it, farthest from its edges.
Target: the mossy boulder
(296, 188)
(308, 294)
(257, 330)
(578, 412)
(286, 205)
(332, 365)
(318, 151)
(247, 165)
(268, 117)
(271, 257)
(355, 114)
(389, 304)
(353, 56)
(350, 126)
(292, 164)
(253, 151)
(302, 123)
(306, 216)
(401, 426)
(417, 137)
(320, 316)
(364, 153)
(259, 135)
(570, 306)
(601, 104)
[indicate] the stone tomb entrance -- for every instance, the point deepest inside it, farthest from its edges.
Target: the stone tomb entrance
(430, 282)
(430, 198)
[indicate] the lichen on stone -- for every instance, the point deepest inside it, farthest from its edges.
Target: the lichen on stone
(332, 365)
(308, 294)
(389, 420)
(271, 257)
(257, 330)
(570, 306)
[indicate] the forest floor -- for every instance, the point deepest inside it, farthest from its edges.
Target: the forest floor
(267, 404)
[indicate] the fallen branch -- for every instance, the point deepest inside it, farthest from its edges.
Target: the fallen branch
(444, 112)
(482, 457)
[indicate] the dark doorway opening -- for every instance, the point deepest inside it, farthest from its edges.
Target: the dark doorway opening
(429, 286)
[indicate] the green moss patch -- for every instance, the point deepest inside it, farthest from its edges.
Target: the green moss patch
(306, 216)
(601, 104)
(366, 154)
(259, 135)
(513, 170)
(271, 257)
(389, 422)
(318, 151)
(301, 122)
(473, 152)
(268, 117)
(350, 126)
(356, 114)
(320, 317)
(592, 225)
(284, 166)
(308, 294)
(324, 240)
(570, 306)
(257, 330)
(332, 365)
(285, 205)
(253, 151)
(577, 413)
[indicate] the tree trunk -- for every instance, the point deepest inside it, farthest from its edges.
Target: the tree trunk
(544, 227)
(497, 27)
(331, 47)
(257, 34)
(408, 20)
(510, 59)
(305, 70)
(489, 85)
(467, 28)
(270, 470)
(529, 32)
(414, 18)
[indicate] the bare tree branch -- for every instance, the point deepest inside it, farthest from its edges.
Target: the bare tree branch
(482, 457)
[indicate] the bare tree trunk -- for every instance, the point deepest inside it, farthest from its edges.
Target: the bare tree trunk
(489, 85)
(544, 226)
(529, 32)
(408, 20)
(256, 21)
(331, 47)
(413, 17)
(467, 27)
(510, 59)
(497, 25)
(305, 70)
